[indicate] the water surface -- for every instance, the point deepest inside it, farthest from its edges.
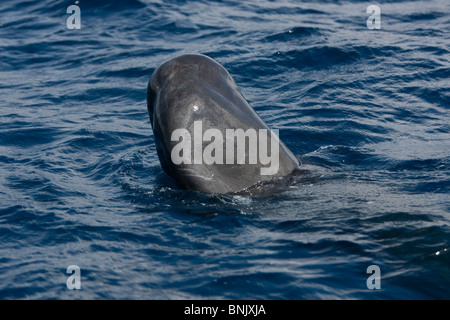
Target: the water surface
(366, 110)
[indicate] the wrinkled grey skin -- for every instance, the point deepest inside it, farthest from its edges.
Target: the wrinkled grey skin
(192, 80)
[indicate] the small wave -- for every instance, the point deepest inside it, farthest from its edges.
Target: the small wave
(294, 34)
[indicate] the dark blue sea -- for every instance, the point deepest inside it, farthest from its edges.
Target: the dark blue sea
(367, 111)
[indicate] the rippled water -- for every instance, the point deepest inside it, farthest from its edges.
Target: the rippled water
(366, 110)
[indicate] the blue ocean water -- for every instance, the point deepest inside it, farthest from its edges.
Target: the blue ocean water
(366, 110)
